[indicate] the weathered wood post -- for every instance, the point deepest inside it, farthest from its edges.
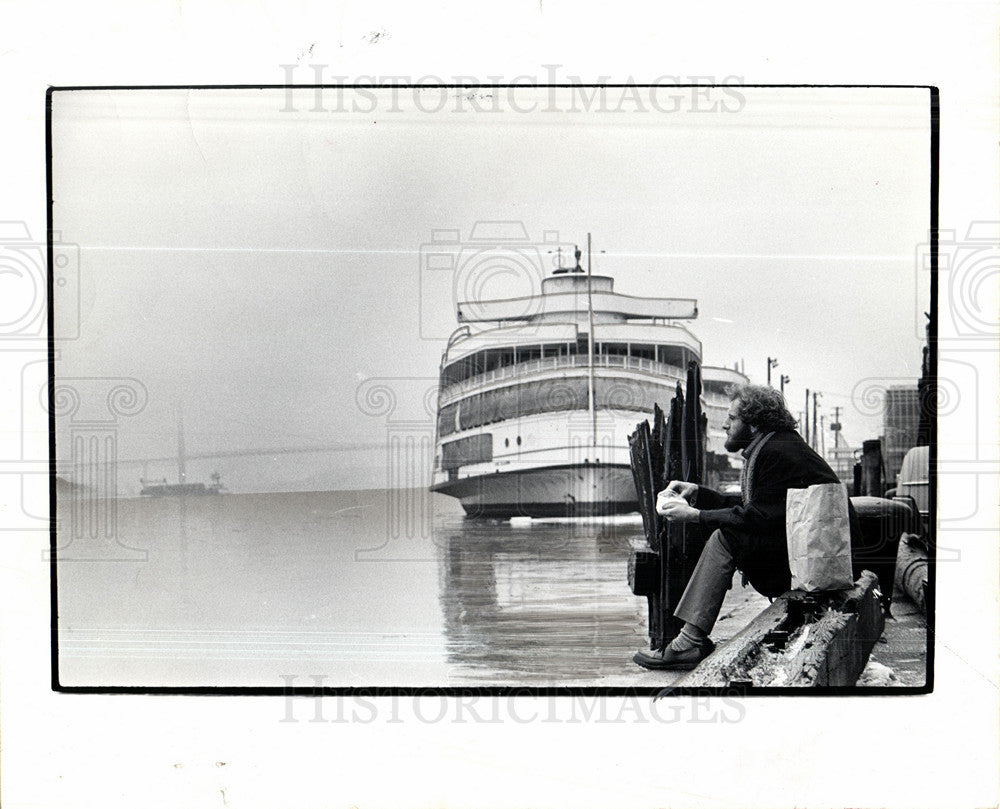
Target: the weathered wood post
(673, 450)
(671, 541)
(871, 468)
(647, 450)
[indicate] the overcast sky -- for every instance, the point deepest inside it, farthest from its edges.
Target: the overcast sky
(257, 261)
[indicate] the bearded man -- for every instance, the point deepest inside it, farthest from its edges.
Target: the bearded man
(747, 530)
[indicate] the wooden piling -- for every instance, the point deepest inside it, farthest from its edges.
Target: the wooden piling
(674, 449)
(872, 468)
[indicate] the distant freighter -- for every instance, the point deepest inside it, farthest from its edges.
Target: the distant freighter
(534, 410)
(160, 488)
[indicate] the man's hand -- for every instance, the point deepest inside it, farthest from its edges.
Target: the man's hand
(681, 488)
(675, 508)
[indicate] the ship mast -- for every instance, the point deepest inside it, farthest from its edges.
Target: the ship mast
(591, 403)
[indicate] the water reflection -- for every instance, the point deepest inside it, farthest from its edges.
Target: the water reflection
(243, 589)
(541, 603)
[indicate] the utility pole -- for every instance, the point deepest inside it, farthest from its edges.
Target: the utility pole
(772, 362)
(822, 436)
(784, 378)
(835, 427)
(806, 436)
(816, 395)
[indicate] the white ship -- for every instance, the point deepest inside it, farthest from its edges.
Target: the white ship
(538, 395)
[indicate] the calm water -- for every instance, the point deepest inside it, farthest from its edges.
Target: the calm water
(367, 588)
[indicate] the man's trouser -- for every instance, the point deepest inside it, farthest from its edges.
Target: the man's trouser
(764, 561)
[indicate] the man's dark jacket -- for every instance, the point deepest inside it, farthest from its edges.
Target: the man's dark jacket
(756, 529)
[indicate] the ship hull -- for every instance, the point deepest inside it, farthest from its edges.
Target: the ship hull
(571, 490)
(179, 490)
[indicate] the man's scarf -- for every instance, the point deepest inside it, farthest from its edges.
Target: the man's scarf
(746, 476)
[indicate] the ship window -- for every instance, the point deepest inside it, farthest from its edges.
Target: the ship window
(506, 442)
(672, 355)
(452, 373)
(492, 359)
(469, 450)
(544, 396)
(645, 352)
(614, 349)
(519, 440)
(463, 369)
(529, 353)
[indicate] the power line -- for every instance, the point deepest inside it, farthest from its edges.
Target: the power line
(249, 453)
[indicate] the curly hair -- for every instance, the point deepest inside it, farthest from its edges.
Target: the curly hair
(762, 407)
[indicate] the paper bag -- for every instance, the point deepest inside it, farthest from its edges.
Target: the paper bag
(819, 538)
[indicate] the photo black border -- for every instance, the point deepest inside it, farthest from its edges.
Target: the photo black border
(501, 691)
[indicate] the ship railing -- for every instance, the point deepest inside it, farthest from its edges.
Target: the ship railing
(456, 389)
